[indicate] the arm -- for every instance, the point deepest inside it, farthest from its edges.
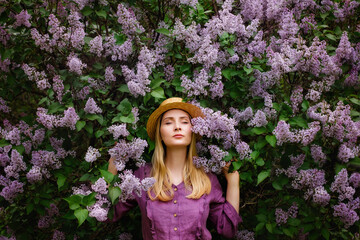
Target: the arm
(111, 167)
(222, 213)
(233, 188)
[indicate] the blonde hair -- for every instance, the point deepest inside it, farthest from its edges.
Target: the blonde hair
(195, 179)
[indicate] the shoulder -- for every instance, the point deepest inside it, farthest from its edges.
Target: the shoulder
(143, 171)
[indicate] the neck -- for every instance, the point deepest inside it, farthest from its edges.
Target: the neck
(175, 163)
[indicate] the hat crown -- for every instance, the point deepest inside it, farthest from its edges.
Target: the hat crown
(171, 100)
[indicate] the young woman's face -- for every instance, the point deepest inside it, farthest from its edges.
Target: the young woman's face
(175, 128)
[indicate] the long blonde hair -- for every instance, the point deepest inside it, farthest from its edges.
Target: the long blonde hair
(195, 179)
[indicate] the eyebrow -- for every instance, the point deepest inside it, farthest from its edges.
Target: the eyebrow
(183, 117)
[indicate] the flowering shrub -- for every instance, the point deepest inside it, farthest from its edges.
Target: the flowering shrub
(278, 82)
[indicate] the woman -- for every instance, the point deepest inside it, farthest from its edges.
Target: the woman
(183, 197)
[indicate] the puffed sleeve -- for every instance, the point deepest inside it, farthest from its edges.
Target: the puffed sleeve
(222, 214)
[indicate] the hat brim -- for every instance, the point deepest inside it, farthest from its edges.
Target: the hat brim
(193, 110)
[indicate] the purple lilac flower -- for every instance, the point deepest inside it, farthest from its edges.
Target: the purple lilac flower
(252, 10)
(147, 183)
(317, 154)
(282, 133)
(123, 152)
(242, 116)
(129, 24)
(91, 107)
(34, 175)
(135, 112)
(310, 178)
(84, 92)
(92, 154)
(345, 153)
(216, 86)
(321, 196)
(289, 27)
(39, 77)
(100, 186)
(11, 189)
(341, 186)
(346, 213)
(4, 155)
(45, 222)
(296, 98)
(125, 236)
(281, 216)
(45, 159)
(117, 52)
(4, 36)
(355, 179)
(129, 185)
(345, 52)
(207, 54)
(293, 210)
(4, 65)
(96, 46)
(196, 87)
(82, 189)
(259, 120)
(98, 210)
(58, 87)
(58, 235)
(109, 75)
(118, 130)
(347, 10)
(137, 83)
(169, 72)
(22, 19)
(245, 235)
(308, 23)
(353, 78)
(70, 118)
(75, 64)
(16, 165)
(14, 136)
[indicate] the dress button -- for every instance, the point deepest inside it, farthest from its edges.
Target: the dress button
(175, 214)
(175, 201)
(175, 228)
(175, 189)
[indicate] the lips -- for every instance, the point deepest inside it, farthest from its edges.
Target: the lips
(178, 135)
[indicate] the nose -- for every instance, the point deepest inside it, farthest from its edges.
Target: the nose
(177, 126)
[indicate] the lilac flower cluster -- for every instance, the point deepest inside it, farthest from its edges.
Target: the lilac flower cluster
(4, 36)
(11, 188)
(282, 216)
(135, 112)
(125, 236)
(117, 52)
(127, 19)
(296, 98)
(317, 154)
(346, 11)
(58, 235)
(50, 121)
(96, 46)
(16, 165)
(124, 151)
(118, 130)
(342, 187)
(215, 164)
(75, 64)
(196, 87)
(58, 87)
(259, 120)
(130, 185)
(169, 72)
(138, 83)
(245, 235)
(39, 78)
(109, 75)
(4, 155)
(355, 179)
(346, 212)
(22, 19)
(241, 116)
(4, 65)
(91, 107)
(48, 219)
(43, 161)
(92, 154)
(304, 136)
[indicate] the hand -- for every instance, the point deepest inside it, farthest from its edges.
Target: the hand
(232, 178)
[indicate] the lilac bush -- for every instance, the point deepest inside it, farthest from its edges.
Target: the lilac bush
(277, 81)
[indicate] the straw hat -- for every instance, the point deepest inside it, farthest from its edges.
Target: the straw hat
(168, 104)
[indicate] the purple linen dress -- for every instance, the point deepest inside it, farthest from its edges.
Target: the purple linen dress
(182, 218)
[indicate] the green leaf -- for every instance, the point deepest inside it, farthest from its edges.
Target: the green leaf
(81, 215)
(89, 199)
(124, 107)
(288, 232)
(261, 217)
(101, 13)
(80, 125)
(92, 117)
(89, 128)
(269, 227)
(99, 133)
(298, 121)
(259, 130)
(127, 119)
(29, 208)
(237, 165)
(305, 105)
(163, 31)
(74, 201)
(247, 70)
(227, 73)
(259, 226)
(325, 233)
(230, 51)
(86, 11)
(277, 186)
(158, 93)
(262, 176)
(123, 88)
(260, 162)
(271, 139)
(114, 193)
(331, 37)
(254, 154)
(355, 101)
(108, 176)
(294, 222)
(61, 180)
(260, 144)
